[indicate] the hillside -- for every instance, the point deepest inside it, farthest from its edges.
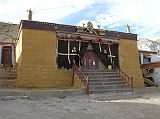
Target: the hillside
(148, 45)
(8, 31)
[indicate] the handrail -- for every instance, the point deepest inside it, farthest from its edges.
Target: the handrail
(124, 76)
(82, 77)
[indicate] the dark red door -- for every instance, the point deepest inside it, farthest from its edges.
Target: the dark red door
(90, 60)
(6, 56)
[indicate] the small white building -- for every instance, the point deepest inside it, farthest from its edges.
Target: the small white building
(150, 64)
(8, 31)
(156, 73)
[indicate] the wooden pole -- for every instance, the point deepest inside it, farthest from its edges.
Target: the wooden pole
(30, 12)
(128, 28)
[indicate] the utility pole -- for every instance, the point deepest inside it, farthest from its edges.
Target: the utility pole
(30, 12)
(128, 28)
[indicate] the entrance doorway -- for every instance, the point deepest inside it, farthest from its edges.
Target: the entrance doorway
(6, 56)
(90, 60)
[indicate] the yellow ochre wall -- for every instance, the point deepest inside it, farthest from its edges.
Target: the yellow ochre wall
(129, 61)
(18, 50)
(38, 68)
(77, 82)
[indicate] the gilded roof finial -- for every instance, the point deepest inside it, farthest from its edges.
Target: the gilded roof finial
(83, 25)
(90, 27)
(99, 27)
(128, 28)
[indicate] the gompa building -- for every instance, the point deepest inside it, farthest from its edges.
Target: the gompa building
(50, 55)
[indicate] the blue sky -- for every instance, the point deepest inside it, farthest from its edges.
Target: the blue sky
(142, 15)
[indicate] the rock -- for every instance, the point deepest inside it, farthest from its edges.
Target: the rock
(24, 97)
(9, 98)
(61, 97)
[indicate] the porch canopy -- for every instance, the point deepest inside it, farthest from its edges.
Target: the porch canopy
(71, 46)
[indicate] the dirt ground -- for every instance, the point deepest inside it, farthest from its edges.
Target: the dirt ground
(82, 107)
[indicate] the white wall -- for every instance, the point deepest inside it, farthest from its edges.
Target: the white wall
(155, 58)
(156, 75)
(0, 53)
(19, 47)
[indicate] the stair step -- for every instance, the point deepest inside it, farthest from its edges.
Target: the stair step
(97, 87)
(7, 70)
(107, 83)
(123, 89)
(102, 76)
(97, 70)
(7, 76)
(110, 91)
(105, 80)
(100, 73)
(7, 83)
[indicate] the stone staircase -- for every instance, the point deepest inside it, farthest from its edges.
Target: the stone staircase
(104, 82)
(7, 78)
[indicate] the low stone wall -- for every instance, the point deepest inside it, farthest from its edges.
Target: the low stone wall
(144, 90)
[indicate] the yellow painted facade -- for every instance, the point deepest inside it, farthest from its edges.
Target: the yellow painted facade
(129, 61)
(77, 82)
(37, 67)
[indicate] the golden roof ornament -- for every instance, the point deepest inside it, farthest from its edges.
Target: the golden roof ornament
(128, 28)
(101, 31)
(90, 27)
(79, 29)
(83, 25)
(99, 27)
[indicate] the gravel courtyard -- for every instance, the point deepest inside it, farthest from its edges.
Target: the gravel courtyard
(82, 107)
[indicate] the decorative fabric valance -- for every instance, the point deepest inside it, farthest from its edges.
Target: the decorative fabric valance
(87, 37)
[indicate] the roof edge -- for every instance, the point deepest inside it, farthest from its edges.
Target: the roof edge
(70, 28)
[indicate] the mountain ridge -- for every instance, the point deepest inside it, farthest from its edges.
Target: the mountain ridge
(8, 31)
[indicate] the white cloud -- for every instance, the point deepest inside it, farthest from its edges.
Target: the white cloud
(141, 15)
(106, 19)
(103, 20)
(15, 10)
